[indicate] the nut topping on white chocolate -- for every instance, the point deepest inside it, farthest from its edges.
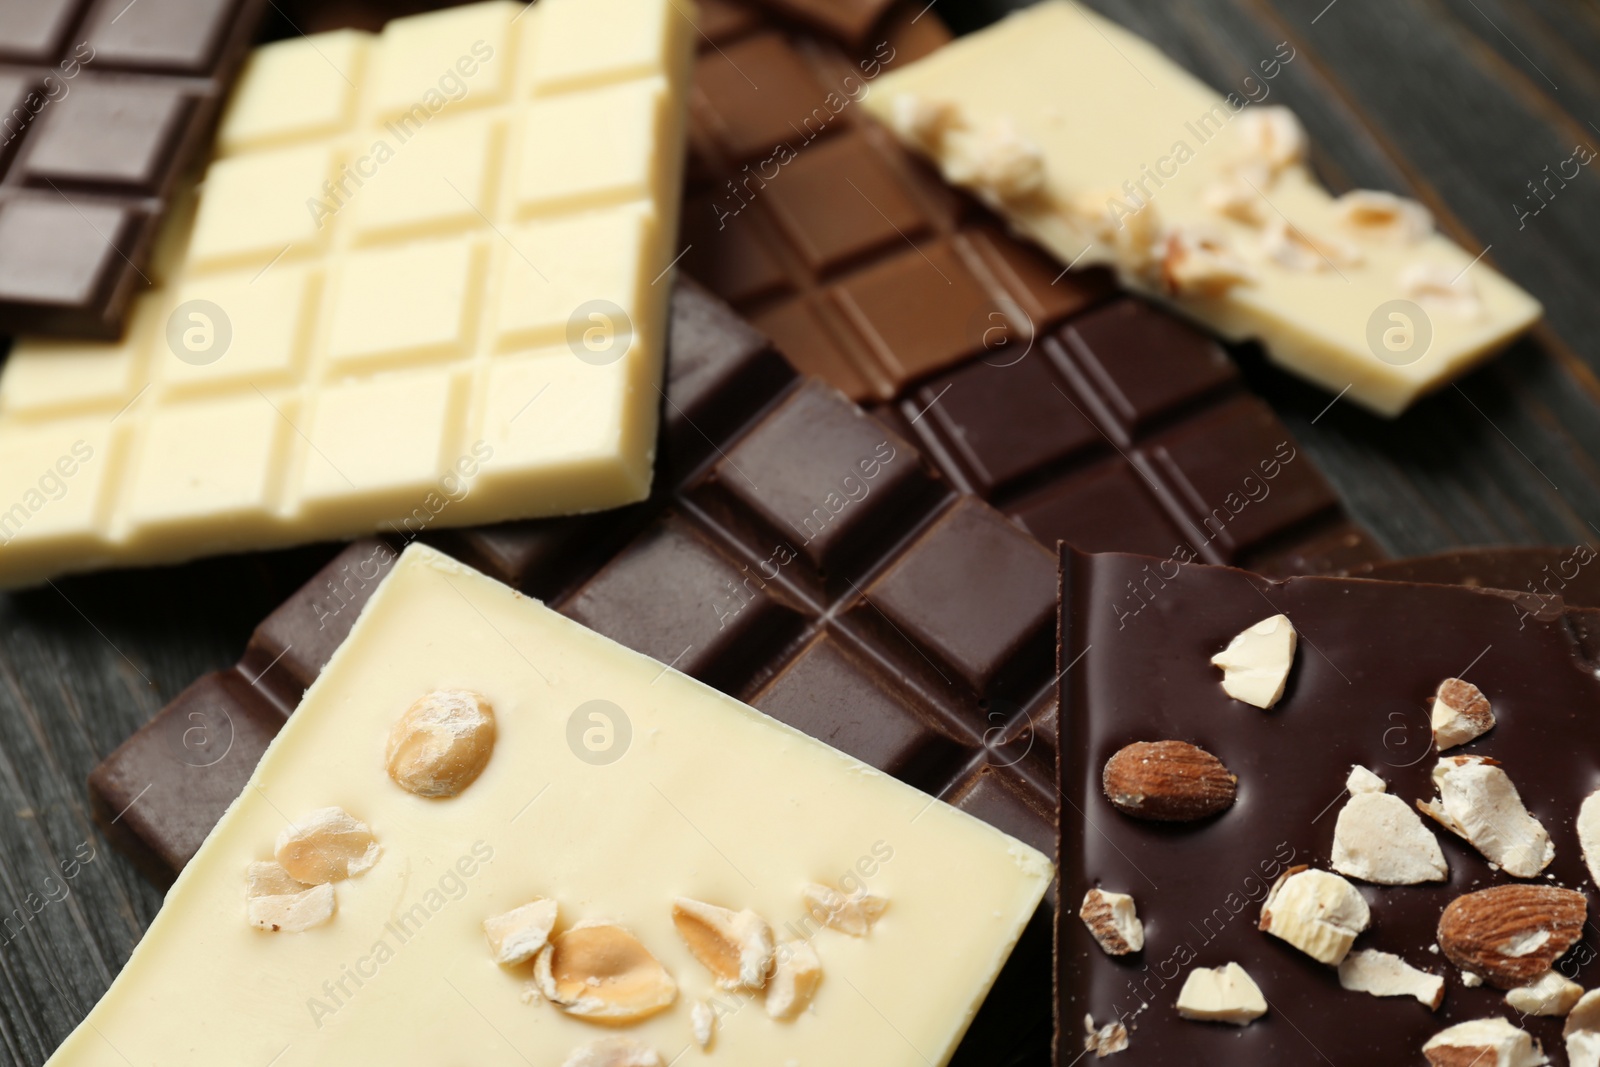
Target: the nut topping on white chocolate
(796, 973)
(599, 971)
(735, 946)
(518, 935)
(326, 845)
(613, 1052)
(442, 743)
(852, 914)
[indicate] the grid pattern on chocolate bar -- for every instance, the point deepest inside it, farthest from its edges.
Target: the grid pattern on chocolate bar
(392, 263)
(1083, 414)
(104, 107)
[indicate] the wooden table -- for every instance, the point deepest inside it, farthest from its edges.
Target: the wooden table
(1459, 103)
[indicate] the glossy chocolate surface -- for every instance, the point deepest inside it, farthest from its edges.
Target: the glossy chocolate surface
(1370, 656)
(1538, 575)
(105, 106)
(1082, 414)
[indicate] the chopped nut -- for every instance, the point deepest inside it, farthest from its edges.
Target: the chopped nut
(1223, 994)
(1477, 802)
(328, 845)
(1235, 198)
(1582, 1032)
(922, 121)
(1362, 780)
(735, 946)
(1489, 1042)
(1317, 912)
(1104, 1040)
(291, 913)
(1005, 164)
(1511, 934)
(517, 936)
(1385, 975)
(1292, 247)
(1470, 980)
(795, 978)
(853, 914)
(442, 743)
(1552, 993)
(1167, 781)
(270, 880)
(613, 1052)
(1443, 288)
(1371, 213)
(703, 1022)
(1112, 920)
(1460, 713)
(1589, 833)
(1132, 230)
(1201, 262)
(1271, 136)
(597, 970)
(1378, 838)
(1255, 665)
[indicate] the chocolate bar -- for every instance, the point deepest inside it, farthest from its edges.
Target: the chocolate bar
(693, 577)
(1096, 145)
(393, 295)
(1540, 576)
(795, 553)
(1081, 413)
(105, 107)
(1366, 688)
(663, 866)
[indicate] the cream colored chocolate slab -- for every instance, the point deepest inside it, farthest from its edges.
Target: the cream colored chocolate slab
(374, 317)
(709, 799)
(1057, 116)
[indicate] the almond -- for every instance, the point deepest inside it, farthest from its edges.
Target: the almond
(1511, 934)
(1491, 1042)
(1113, 920)
(1168, 781)
(599, 971)
(735, 946)
(1460, 713)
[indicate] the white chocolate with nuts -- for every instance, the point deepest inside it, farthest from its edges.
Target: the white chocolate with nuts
(1109, 119)
(613, 844)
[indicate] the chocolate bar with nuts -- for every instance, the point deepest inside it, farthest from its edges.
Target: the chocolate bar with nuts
(1382, 851)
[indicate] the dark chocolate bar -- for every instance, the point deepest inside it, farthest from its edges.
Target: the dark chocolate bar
(1540, 576)
(105, 106)
(1083, 415)
(1371, 655)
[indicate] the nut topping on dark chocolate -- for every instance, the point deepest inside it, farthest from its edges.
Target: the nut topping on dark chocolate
(1168, 781)
(1511, 934)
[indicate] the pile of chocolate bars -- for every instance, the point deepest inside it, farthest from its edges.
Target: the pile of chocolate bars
(806, 598)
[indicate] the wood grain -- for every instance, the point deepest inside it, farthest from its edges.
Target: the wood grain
(1459, 103)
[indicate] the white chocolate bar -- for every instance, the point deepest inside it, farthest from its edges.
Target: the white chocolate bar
(378, 317)
(1093, 143)
(665, 789)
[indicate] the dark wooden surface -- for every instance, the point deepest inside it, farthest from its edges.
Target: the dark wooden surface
(1459, 103)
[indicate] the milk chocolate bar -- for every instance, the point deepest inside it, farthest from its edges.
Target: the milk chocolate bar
(392, 287)
(104, 107)
(1378, 680)
(738, 888)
